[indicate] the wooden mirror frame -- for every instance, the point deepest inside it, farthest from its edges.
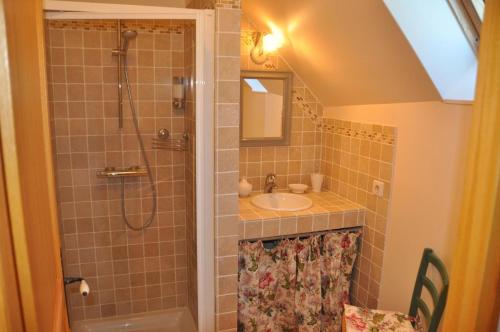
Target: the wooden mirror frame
(286, 125)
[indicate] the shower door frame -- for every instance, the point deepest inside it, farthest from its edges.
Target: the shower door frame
(205, 26)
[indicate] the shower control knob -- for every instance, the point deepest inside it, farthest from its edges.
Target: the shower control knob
(163, 133)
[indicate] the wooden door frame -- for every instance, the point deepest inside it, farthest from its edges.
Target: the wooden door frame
(473, 303)
(475, 256)
(11, 318)
(28, 183)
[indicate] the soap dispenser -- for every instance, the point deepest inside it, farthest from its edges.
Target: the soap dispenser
(245, 187)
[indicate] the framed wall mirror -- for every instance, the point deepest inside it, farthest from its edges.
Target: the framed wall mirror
(266, 108)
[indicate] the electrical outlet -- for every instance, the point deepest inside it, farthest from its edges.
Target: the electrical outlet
(378, 188)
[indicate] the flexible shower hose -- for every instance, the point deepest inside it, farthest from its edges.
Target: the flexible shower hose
(144, 156)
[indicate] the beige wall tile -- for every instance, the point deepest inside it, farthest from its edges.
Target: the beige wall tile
(271, 227)
(288, 226)
(253, 229)
(353, 164)
(226, 321)
(304, 224)
(227, 265)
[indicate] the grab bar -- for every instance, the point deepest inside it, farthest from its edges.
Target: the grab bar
(111, 172)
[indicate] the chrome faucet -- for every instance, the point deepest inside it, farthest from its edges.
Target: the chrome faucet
(270, 183)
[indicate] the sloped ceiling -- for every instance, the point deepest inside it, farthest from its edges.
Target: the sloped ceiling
(349, 52)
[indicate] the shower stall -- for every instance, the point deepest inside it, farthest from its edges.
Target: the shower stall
(130, 97)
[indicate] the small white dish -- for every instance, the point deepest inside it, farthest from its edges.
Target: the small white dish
(297, 188)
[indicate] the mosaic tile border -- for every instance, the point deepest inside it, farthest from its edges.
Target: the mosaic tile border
(151, 26)
(228, 4)
(307, 110)
(374, 133)
(211, 4)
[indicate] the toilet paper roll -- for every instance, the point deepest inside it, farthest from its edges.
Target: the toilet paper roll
(84, 288)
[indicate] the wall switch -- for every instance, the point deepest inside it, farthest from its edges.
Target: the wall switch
(378, 188)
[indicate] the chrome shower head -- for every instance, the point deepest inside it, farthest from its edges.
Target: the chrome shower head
(127, 36)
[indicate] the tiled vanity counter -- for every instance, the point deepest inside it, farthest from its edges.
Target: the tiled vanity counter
(329, 211)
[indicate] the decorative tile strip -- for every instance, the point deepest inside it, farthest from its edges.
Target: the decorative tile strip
(101, 25)
(154, 26)
(358, 131)
(235, 4)
(307, 110)
(211, 4)
(329, 125)
(151, 26)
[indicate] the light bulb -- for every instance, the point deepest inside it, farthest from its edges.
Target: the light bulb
(271, 42)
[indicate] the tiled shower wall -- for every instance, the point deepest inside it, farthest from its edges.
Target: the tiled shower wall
(128, 271)
(293, 163)
(355, 154)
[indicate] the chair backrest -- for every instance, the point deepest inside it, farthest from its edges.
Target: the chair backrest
(433, 316)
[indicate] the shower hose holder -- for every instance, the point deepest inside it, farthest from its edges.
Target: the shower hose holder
(112, 172)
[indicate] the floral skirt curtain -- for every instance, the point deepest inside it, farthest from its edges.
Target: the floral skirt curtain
(299, 285)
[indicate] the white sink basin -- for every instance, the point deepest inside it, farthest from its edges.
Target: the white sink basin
(282, 202)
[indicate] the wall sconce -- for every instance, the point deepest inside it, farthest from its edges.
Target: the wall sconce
(265, 44)
(178, 92)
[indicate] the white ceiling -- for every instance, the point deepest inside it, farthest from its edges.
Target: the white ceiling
(348, 52)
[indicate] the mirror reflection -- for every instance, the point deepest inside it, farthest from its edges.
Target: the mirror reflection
(262, 108)
(265, 108)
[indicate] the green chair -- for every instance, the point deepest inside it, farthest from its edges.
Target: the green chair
(361, 319)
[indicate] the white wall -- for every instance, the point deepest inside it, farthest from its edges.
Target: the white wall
(430, 153)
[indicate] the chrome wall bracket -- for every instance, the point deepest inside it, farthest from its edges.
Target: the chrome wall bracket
(112, 172)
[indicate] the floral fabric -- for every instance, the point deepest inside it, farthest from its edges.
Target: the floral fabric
(266, 286)
(367, 320)
(308, 285)
(339, 254)
(300, 285)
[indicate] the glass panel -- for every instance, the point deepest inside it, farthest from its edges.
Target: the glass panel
(262, 108)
